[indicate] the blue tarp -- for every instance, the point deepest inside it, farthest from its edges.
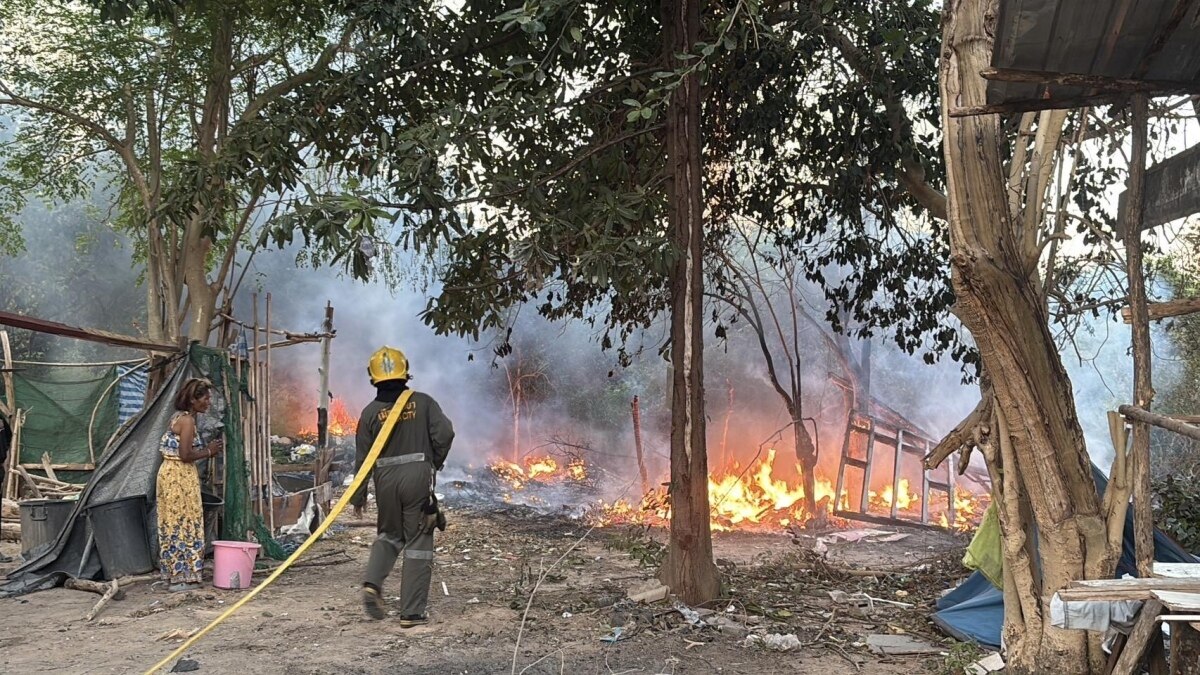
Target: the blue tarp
(974, 612)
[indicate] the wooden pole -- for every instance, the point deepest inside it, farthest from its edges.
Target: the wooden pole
(1166, 309)
(11, 413)
(637, 444)
(1143, 392)
(323, 453)
(269, 461)
(1137, 414)
(255, 480)
(725, 431)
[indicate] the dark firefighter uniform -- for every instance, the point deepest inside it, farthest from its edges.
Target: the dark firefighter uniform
(404, 480)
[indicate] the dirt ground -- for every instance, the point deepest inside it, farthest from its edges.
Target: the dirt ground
(310, 620)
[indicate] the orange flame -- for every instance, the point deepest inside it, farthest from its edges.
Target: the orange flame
(341, 422)
(756, 499)
(542, 470)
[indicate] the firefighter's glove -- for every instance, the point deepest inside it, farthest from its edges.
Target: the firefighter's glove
(429, 522)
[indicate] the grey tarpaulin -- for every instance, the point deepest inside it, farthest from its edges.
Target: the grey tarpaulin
(129, 467)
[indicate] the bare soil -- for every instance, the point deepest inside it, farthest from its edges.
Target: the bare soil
(310, 620)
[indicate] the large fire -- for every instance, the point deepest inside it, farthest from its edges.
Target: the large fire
(341, 422)
(767, 495)
(757, 499)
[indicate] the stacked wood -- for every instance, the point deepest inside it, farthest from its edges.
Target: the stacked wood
(44, 487)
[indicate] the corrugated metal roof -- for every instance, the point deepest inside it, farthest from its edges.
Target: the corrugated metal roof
(1127, 39)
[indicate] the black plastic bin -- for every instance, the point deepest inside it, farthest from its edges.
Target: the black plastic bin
(41, 521)
(212, 505)
(119, 529)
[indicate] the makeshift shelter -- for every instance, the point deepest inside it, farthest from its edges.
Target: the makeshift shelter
(129, 468)
(70, 415)
(974, 612)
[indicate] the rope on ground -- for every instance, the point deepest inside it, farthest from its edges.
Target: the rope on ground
(359, 478)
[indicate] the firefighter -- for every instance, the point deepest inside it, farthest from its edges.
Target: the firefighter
(404, 479)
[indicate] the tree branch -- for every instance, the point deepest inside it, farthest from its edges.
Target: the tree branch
(911, 174)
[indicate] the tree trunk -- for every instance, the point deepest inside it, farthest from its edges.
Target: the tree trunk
(806, 455)
(1042, 458)
(688, 568)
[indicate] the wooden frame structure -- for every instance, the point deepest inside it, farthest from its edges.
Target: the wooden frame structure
(873, 435)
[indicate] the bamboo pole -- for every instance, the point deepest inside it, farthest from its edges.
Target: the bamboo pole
(14, 454)
(1143, 391)
(11, 412)
(267, 427)
(255, 481)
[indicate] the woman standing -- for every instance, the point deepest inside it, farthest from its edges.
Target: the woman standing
(180, 514)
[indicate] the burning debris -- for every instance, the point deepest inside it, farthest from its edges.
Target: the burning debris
(757, 499)
(543, 470)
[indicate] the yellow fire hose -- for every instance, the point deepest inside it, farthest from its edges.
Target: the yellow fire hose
(361, 476)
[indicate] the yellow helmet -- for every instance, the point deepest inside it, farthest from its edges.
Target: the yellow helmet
(388, 363)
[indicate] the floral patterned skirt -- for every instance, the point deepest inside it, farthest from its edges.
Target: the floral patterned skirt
(180, 522)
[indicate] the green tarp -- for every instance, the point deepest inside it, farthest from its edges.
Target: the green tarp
(60, 408)
(986, 553)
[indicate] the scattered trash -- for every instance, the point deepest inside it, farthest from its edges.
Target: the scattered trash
(615, 636)
(473, 601)
(185, 666)
(445, 591)
(729, 627)
(689, 615)
(859, 604)
(774, 642)
(653, 595)
(302, 453)
(901, 594)
(177, 634)
(989, 664)
(898, 645)
(854, 536)
(567, 615)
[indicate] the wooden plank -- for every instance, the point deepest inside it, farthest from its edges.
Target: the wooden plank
(89, 334)
(1177, 570)
(1179, 617)
(1139, 589)
(296, 468)
(1145, 629)
(1096, 83)
(1166, 309)
(1172, 189)
(48, 467)
(1135, 413)
(1177, 601)
(1185, 584)
(61, 467)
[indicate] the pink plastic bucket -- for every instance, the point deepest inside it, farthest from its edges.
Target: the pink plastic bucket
(233, 563)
